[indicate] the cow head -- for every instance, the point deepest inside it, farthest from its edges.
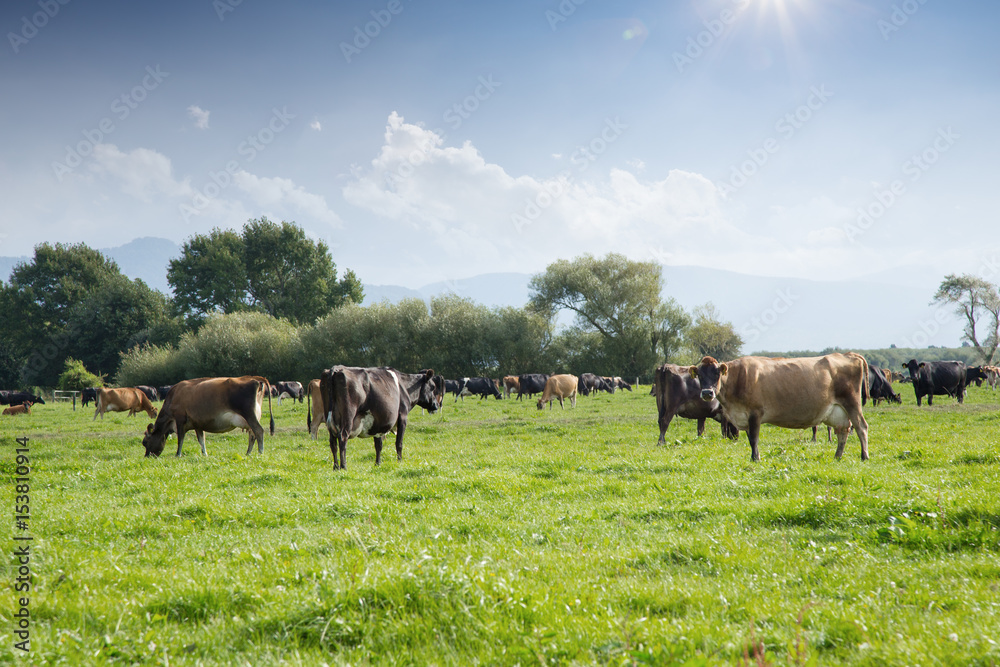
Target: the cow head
(709, 373)
(36, 399)
(431, 393)
(155, 437)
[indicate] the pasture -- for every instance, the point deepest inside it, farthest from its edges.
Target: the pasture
(510, 535)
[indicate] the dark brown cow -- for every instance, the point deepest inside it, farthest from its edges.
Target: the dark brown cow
(125, 399)
(213, 405)
(678, 394)
(371, 402)
(790, 393)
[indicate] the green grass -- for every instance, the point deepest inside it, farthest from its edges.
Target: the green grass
(510, 535)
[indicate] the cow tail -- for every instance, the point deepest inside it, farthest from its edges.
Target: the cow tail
(309, 425)
(865, 394)
(267, 388)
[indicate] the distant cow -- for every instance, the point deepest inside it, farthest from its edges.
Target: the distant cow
(87, 395)
(879, 388)
(10, 397)
(23, 409)
(621, 384)
(587, 383)
(531, 384)
(509, 385)
(314, 408)
(481, 387)
(290, 389)
(125, 399)
(790, 393)
(149, 391)
(210, 405)
(678, 393)
(559, 387)
(992, 376)
(936, 378)
(371, 402)
(163, 390)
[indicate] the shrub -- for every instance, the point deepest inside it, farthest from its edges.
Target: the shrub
(75, 377)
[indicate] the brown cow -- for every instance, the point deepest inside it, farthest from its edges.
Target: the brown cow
(372, 402)
(510, 383)
(678, 394)
(790, 393)
(559, 386)
(23, 409)
(121, 400)
(314, 408)
(215, 405)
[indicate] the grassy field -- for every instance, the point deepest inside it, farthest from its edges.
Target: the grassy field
(509, 535)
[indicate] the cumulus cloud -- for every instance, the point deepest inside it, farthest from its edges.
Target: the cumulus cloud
(284, 197)
(142, 172)
(199, 116)
(316, 125)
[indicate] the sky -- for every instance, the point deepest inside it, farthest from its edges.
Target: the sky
(427, 141)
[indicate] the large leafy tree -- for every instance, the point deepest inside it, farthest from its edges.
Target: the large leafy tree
(269, 267)
(975, 299)
(56, 303)
(617, 298)
(710, 336)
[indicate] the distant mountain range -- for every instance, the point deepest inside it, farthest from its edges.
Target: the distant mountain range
(772, 314)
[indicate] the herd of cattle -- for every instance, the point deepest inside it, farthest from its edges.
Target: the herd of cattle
(742, 395)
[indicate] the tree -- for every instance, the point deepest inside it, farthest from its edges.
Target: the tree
(76, 377)
(209, 276)
(113, 318)
(975, 299)
(710, 336)
(51, 310)
(269, 268)
(617, 298)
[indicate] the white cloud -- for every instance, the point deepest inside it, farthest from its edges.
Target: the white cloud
(316, 125)
(142, 172)
(282, 195)
(199, 116)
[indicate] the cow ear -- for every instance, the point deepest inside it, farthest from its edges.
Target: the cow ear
(921, 365)
(429, 373)
(149, 429)
(723, 369)
(693, 370)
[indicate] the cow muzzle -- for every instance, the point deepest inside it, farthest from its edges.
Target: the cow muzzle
(707, 394)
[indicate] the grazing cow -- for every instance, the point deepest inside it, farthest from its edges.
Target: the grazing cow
(163, 390)
(531, 384)
(588, 383)
(128, 399)
(678, 393)
(453, 387)
(896, 377)
(879, 388)
(290, 389)
(936, 378)
(212, 405)
(371, 402)
(10, 397)
(314, 408)
(481, 387)
(509, 385)
(621, 384)
(608, 384)
(87, 395)
(559, 387)
(149, 391)
(790, 393)
(23, 409)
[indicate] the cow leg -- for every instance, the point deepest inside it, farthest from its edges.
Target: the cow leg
(860, 425)
(701, 426)
(400, 428)
(753, 434)
(378, 450)
(665, 419)
(334, 446)
(561, 403)
(180, 440)
(572, 400)
(814, 434)
(201, 442)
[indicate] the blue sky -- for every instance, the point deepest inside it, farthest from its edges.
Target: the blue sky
(456, 139)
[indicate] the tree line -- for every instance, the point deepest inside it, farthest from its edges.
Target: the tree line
(268, 300)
